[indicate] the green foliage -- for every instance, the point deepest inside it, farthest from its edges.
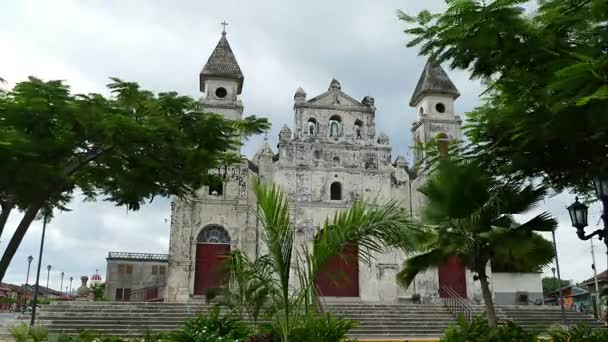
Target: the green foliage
(7, 300)
(19, 332)
(38, 333)
(128, 148)
(546, 77)
(98, 291)
(23, 333)
(478, 330)
(313, 328)
(252, 285)
(579, 333)
(211, 328)
(549, 285)
(469, 215)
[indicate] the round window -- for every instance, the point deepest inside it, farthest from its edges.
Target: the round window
(440, 107)
(221, 92)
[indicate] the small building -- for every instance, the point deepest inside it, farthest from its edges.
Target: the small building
(576, 298)
(589, 285)
(517, 288)
(135, 276)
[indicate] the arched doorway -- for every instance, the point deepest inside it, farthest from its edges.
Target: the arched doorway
(213, 244)
(340, 276)
(452, 276)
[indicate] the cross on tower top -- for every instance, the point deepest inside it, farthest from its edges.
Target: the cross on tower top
(224, 23)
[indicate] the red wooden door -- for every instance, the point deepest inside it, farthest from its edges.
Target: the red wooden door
(209, 258)
(340, 276)
(452, 275)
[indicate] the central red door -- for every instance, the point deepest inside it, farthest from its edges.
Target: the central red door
(209, 258)
(340, 276)
(452, 275)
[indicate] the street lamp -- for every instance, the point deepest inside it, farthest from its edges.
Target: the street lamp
(556, 284)
(27, 280)
(71, 278)
(48, 276)
(559, 280)
(578, 213)
(61, 286)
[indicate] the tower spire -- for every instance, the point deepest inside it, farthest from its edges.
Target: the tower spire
(433, 81)
(222, 64)
(224, 24)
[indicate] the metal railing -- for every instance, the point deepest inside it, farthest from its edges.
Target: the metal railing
(148, 294)
(456, 304)
(138, 256)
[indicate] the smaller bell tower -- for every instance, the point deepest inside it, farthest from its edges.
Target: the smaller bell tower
(221, 81)
(433, 100)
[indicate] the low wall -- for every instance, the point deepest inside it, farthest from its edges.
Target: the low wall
(507, 286)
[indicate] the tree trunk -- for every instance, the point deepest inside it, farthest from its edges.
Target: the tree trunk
(487, 298)
(7, 207)
(13, 245)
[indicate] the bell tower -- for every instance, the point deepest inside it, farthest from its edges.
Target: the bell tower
(433, 100)
(221, 82)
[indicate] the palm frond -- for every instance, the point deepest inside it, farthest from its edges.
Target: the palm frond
(420, 263)
(543, 222)
(522, 252)
(273, 214)
(371, 227)
(455, 190)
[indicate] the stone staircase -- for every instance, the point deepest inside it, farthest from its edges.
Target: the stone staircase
(394, 321)
(540, 317)
(376, 321)
(116, 318)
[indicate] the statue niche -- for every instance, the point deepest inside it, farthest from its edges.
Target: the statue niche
(335, 126)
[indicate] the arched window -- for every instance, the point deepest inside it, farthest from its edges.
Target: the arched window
(213, 234)
(336, 161)
(335, 126)
(359, 129)
(443, 142)
(335, 191)
(312, 127)
(216, 189)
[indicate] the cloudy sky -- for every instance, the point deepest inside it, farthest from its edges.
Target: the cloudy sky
(279, 45)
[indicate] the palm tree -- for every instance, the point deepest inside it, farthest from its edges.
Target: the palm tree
(469, 215)
(372, 227)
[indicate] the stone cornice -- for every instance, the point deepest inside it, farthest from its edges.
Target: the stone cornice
(369, 110)
(417, 124)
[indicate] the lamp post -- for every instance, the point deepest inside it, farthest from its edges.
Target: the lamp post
(71, 278)
(35, 301)
(61, 286)
(27, 280)
(559, 280)
(556, 284)
(578, 213)
(48, 277)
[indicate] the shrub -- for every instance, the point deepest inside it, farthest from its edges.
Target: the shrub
(478, 330)
(578, 333)
(211, 328)
(314, 328)
(19, 332)
(264, 337)
(38, 333)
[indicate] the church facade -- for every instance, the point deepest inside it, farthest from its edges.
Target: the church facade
(331, 157)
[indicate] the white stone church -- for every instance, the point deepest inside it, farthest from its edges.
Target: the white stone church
(330, 157)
